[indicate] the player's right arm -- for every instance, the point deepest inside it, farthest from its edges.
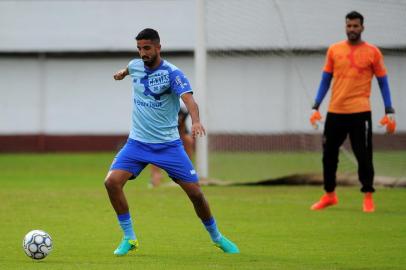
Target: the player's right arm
(323, 88)
(321, 93)
(119, 75)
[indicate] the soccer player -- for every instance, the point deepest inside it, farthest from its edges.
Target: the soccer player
(351, 65)
(154, 138)
(185, 136)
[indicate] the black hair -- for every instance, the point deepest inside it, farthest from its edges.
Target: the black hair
(355, 15)
(149, 34)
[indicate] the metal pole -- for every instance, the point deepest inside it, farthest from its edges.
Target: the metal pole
(42, 110)
(200, 69)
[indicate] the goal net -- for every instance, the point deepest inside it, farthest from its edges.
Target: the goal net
(264, 64)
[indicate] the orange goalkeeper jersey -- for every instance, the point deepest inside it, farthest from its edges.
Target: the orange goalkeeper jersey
(353, 67)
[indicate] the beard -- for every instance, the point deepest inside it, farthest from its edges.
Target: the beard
(149, 61)
(353, 36)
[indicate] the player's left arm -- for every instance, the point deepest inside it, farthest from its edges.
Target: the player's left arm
(380, 72)
(385, 91)
(181, 86)
(197, 128)
(389, 119)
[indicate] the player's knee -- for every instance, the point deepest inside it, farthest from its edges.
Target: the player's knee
(111, 182)
(107, 182)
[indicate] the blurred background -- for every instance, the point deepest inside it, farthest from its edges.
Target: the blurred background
(264, 63)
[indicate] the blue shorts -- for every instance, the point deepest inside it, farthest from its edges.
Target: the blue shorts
(170, 156)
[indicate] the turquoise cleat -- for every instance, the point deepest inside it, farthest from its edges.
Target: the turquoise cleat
(227, 246)
(125, 246)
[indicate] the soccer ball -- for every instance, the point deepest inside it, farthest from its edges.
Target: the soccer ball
(37, 244)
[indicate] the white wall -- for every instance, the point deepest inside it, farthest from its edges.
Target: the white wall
(66, 96)
(258, 93)
(303, 24)
(247, 94)
(65, 25)
(272, 94)
(20, 95)
(103, 25)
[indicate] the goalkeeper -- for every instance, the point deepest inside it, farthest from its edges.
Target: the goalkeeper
(352, 63)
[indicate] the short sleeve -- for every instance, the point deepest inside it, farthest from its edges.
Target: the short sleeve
(131, 66)
(378, 64)
(179, 83)
(329, 63)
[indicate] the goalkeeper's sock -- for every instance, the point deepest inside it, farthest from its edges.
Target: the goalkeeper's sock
(127, 226)
(211, 227)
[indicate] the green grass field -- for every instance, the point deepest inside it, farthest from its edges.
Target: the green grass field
(265, 165)
(64, 195)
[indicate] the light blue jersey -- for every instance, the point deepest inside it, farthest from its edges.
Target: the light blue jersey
(156, 105)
